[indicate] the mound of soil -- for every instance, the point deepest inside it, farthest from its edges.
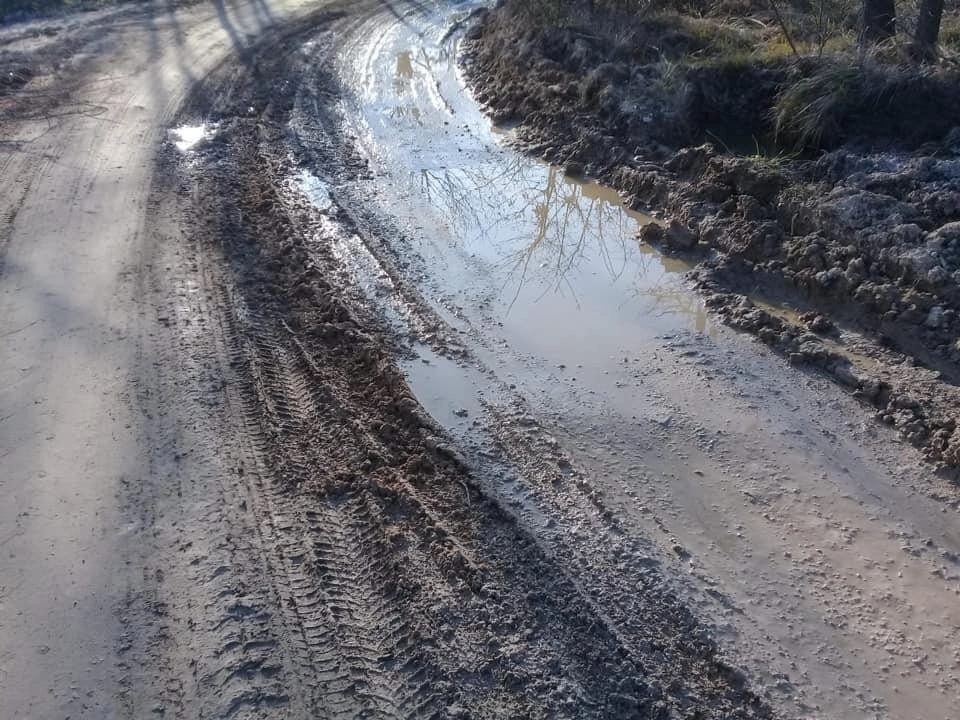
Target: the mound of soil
(867, 239)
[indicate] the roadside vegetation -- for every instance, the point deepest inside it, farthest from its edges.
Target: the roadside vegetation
(791, 74)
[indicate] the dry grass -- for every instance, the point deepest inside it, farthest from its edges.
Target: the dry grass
(795, 77)
(860, 96)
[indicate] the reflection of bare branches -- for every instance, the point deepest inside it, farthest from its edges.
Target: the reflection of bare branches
(539, 224)
(405, 75)
(544, 232)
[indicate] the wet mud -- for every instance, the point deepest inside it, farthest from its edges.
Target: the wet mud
(864, 238)
(410, 588)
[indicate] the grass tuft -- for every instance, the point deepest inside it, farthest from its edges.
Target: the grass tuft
(840, 99)
(814, 107)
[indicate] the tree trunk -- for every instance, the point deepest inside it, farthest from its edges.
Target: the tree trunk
(879, 20)
(928, 29)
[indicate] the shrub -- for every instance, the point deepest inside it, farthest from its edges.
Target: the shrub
(844, 98)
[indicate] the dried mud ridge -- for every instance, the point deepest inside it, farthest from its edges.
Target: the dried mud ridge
(405, 590)
(865, 245)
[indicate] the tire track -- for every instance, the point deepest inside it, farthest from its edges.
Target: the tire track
(353, 569)
(277, 527)
(403, 591)
(336, 563)
(217, 650)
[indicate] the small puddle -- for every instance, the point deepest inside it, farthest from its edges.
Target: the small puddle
(355, 257)
(785, 312)
(451, 392)
(316, 190)
(791, 315)
(404, 69)
(187, 137)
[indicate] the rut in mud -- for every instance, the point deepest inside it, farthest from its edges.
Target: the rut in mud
(406, 590)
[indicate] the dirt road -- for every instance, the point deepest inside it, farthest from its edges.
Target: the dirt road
(95, 436)
(316, 400)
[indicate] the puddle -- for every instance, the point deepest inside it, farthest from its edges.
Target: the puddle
(512, 238)
(780, 310)
(404, 68)
(187, 137)
(540, 252)
(315, 189)
(368, 276)
(854, 356)
(451, 391)
(456, 395)
(546, 237)
(537, 270)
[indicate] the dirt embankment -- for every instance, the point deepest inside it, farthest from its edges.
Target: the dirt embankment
(861, 239)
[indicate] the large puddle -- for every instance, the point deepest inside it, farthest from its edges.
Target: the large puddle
(501, 235)
(543, 270)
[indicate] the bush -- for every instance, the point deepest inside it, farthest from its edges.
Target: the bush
(843, 100)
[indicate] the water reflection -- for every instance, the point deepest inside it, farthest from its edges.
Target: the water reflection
(315, 189)
(404, 67)
(667, 297)
(406, 106)
(187, 137)
(408, 112)
(414, 82)
(549, 233)
(527, 238)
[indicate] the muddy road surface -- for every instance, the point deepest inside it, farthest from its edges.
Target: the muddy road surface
(318, 400)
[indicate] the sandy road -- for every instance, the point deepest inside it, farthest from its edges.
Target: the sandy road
(74, 317)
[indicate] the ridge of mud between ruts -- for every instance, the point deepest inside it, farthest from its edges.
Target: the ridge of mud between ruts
(863, 244)
(406, 589)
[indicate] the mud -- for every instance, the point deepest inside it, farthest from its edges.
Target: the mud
(410, 590)
(865, 238)
(288, 431)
